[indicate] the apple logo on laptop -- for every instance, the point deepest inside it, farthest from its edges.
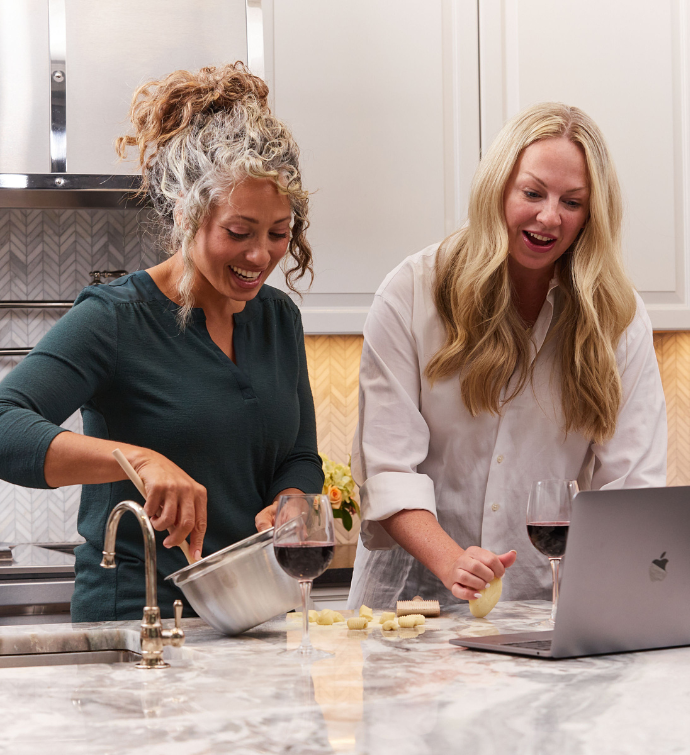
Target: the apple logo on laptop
(657, 571)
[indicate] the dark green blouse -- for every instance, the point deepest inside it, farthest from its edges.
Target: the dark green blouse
(244, 430)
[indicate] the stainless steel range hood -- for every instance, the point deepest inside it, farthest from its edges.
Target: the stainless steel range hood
(67, 72)
(64, 190)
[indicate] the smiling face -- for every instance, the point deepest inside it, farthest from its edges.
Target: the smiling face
(546, 203)
(241, 242)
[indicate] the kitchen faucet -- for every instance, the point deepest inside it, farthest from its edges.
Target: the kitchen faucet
(153, 636)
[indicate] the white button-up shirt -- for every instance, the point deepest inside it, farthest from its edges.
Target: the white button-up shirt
(418, 447)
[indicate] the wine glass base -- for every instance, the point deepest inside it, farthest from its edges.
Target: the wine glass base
(306, 654)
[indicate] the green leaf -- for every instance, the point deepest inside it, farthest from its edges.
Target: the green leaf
(347, 519)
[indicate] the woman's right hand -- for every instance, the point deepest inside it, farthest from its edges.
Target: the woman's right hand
(474, 569)
(174, 501)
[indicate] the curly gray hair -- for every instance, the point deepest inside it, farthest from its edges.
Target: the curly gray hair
(199, 134)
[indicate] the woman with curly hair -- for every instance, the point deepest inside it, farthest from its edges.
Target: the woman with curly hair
(517, 350)
(194, 368)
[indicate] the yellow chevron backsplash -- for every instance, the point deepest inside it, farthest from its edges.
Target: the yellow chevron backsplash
(333, 371)
(334, 366)
(673, 355)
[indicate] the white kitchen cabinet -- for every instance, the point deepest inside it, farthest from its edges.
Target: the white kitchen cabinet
(626, 64)
(382, 98)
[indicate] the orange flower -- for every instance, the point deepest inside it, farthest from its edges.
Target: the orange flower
(335, 496)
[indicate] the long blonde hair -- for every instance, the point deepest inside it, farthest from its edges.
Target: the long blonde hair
(200, 133)
(486, 341)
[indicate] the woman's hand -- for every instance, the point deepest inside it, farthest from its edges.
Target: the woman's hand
(474, 569)
(463, 572)
(174, 501)
(266, 518)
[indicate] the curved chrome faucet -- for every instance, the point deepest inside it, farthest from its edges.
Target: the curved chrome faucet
(153, 636)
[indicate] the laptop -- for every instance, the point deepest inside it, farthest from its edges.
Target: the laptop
(625, 582)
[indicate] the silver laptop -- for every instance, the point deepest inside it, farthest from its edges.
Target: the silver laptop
(626, 578)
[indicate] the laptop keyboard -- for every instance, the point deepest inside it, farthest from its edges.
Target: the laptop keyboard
(532, 644)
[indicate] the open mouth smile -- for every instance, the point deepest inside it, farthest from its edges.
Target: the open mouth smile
(246, 278)
(538, 242)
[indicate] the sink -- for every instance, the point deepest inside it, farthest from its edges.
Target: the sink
(69, 659)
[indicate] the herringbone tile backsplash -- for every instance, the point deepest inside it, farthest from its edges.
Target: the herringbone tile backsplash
(48, 254)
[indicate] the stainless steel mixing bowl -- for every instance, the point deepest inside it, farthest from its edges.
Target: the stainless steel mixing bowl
(240, 586)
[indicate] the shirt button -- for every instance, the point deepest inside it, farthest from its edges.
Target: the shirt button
(495, 507)
(499, 459)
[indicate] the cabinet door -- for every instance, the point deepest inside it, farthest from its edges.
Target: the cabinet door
(113, 47)
(626, 65)
(376, 93)
(24, 87)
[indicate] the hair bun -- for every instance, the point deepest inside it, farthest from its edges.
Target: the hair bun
(161, 109)
(219, 88)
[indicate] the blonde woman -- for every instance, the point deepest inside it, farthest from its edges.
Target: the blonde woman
(516, 350)
(194, 368)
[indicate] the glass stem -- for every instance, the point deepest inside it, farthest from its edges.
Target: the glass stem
(305, 587)
(555, 563)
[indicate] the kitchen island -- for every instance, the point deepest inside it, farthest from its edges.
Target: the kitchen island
(409, 691)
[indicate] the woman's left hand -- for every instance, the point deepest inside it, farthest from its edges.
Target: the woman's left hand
(266, 518)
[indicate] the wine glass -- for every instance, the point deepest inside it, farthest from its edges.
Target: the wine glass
(304, 543)
(548, 519)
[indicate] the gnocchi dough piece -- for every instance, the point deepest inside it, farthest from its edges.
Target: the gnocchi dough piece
(337, 617)
(366, 611)
(357, 622)
(413, 620)
(325, 618)
(490, 596)
(389, 625)
(387, 616)
(313, 616)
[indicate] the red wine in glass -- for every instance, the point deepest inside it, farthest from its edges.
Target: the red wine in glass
(549, 537)
(548, 520)
(304, 544)
(304, 560)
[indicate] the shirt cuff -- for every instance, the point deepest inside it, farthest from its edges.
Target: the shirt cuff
(306, 477)
(387, 493)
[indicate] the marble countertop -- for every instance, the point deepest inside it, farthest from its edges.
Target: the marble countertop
(407, 693)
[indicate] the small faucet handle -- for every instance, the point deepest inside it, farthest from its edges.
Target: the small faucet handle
(175, 636)
(177, 607)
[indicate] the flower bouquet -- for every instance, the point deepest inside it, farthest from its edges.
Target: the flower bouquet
(340, 487)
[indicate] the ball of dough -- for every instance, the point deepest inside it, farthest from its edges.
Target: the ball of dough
(325, 618)
(490, 596)
(357, 622)
(387, 616)
(313, 616)
(389, 625)
(366, 611)
(413, 620)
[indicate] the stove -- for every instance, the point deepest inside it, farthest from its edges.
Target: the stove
(36, 583)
